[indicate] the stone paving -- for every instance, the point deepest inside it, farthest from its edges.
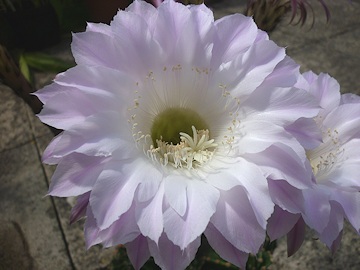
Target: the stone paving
(34, 228)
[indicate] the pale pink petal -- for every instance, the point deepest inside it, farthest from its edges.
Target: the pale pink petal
(169, 256)
(75, 175)
(317, 208)
(88, 138)
(141, 52)
(91, 230)
(114, 191)
(224, 248)
(79, 210)
(285, 74)
(349, 98)
(149, 216)
(195, 40)
(306, 131)
(280, 223)
(287, 166)
(336, 244)
(101, 82)
(296, 237)
(49, 91)
(246, 72)
(122, 231)
(260, 135)
(175, 192)
(281, 105)
(170, 24)
(326, 90)
(235, 220)
(85, 50)
(334, 226)
(350, 202)
(141, 8)
(138, 251)
(255, 185)
(48, 156)
(232, 42)
(63, 111)
(345, 119)
(202, 199)
(286, 196)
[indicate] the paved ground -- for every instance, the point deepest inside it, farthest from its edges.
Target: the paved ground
(34, 229)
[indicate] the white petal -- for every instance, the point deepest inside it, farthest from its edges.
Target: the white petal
(326, 90)
(280, 105)
(141, 52)
(345, 119)
(257, 135)
(85, 50)
(144, 9)
(88, 137)
(114, 191)
(236, 33)
(256, 187)
(253, 67)
(64, 110)
(100, 81)
(149, 216)
(170, 24)
(280, 162)
(202, 200)
(194, 43)
(175, 192)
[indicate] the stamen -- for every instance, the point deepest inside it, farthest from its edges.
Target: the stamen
(190, 153)
(329, 154)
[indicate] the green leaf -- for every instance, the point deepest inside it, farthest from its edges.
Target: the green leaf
(24, 68)
(47, 63)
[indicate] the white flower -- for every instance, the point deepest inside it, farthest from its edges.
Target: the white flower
(170, 124)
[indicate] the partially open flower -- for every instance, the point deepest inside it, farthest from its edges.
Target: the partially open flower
(334, 195)
(334, 162)
(171, 124)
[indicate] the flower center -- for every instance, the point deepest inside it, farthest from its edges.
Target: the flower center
(171, 122)
(172, 144)
(327, 156)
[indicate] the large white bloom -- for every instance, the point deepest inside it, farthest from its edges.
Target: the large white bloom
(172, 122)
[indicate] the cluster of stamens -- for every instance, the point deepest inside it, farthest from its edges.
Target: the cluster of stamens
(324, 158)
(190, 153)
